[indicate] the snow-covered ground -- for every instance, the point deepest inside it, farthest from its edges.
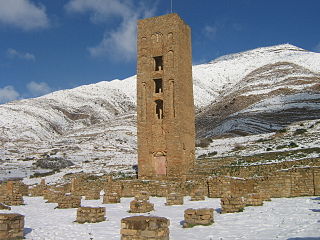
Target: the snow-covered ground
(282, 218)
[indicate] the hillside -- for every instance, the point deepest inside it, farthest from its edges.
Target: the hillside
(252, 92)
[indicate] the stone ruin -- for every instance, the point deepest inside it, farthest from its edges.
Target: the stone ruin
(231, 204)
(142, 196)
(145, 228)
(69, 201)
(111, 198)
(52, 196)
(201, 216)
(92, 194)
(197, 195)
(12, 193)
(11, 226)
(174, 199)
(141, 204)
(91, 214)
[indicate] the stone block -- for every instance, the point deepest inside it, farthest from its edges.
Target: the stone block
(144, 228)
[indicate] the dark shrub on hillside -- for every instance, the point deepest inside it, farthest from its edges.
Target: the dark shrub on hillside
(300, 131)
(53, 163)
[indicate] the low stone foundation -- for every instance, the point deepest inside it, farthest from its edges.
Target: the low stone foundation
(142, 196)
(91, 214)
(231, 204)
(11, 226)
(111, 198)
(92, 195)
(141, 206)
(145, 228)
(201, 216)
(52, 196)
(254, 199)
(174, 199)
(69, 201)
(197, 195)
(12, 199)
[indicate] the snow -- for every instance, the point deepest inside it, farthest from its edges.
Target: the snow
(282, 218)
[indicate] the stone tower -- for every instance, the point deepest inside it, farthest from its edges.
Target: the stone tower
(166, 125)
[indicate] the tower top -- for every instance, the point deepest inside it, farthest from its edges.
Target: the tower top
(170, 19)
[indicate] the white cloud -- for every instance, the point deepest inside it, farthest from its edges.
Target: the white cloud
(23, 14)
(119, 43)
(12, 53)
(210, 31)
(8, 93)
(38, 89)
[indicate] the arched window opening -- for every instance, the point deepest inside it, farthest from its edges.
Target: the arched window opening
(159, 109)
(158, 85)
(158, 63)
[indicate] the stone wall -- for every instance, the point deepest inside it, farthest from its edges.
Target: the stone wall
(11, 226)
(197, 195)
(231, 204)
(145, 228)
(69, 201)
(111, 198)
(201, 216)
(12, 199)
(52, 196)
(285, 183)
(141, 206)
(174, 199)
(91, 214)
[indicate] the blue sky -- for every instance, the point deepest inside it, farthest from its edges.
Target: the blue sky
(47, 45)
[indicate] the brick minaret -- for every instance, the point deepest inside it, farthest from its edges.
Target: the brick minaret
(166, 125)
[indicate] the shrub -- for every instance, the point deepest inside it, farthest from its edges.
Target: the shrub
(293, 145)
(283, 130)
(53, 163)
(300, 131)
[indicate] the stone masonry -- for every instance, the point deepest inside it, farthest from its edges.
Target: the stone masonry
(165, 108)
(174, 199)
(231, 204)
(201, 216)
(197, 195)
(11, 226)
(69, 201)
(141, 206)
(145, 228)
(111, 198)
(91, 214)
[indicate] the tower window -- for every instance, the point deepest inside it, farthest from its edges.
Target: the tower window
(158, 85)
(158, 63)
(159, 109)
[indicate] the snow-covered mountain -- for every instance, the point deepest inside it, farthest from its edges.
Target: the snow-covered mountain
(248, 92)
(57, 113)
